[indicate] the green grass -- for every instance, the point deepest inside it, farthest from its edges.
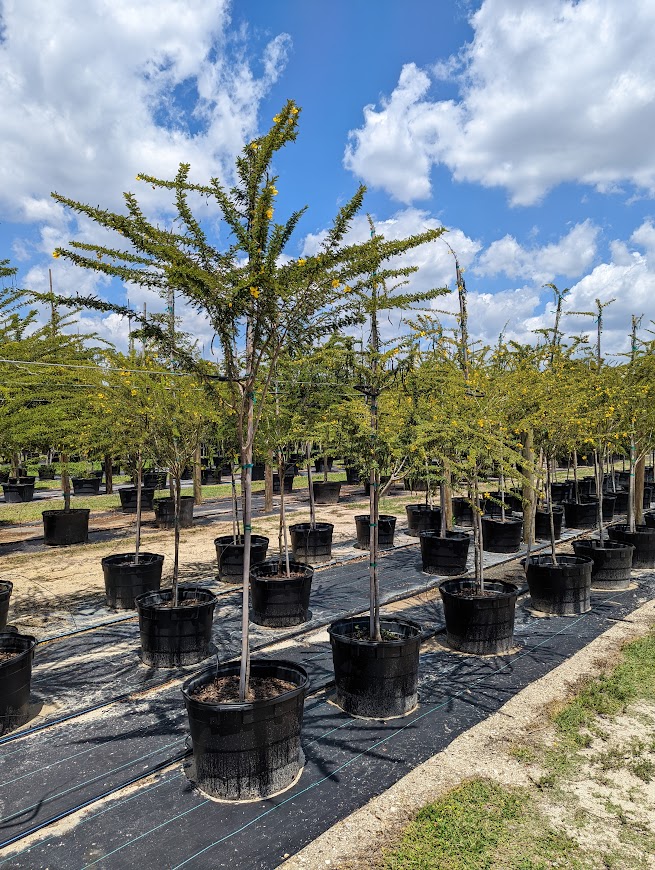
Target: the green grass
(479, 825)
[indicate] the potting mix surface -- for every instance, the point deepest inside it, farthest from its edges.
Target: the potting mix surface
(98, 776)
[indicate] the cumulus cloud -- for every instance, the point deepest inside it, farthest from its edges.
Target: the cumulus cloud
(94, 93)
(550, 92)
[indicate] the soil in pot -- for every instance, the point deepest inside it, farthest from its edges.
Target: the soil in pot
(128, 494)
(175, 636)
(446, 556)
(612, 562)
(376, 679)
(86, 485)
(643, 540)
(542, 523)
(386, 529)
(501, 537)
(311, 546)
(63, 528)
(422, 518)
(125, 579)
(15, 493)
(560, 590)
(326, 492)
(581, 515)
(5, 594)
(479, 623)
(229, 553)
(165, 512)
(278, 601)
(246, 750)
(16, 655)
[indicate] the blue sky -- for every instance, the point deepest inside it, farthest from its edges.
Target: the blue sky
(526, 129)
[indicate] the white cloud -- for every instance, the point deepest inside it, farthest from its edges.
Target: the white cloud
(93, 93)
(550, 92)
(571, 256)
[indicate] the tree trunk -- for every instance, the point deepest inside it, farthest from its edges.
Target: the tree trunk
(139, 485)
(268, 484)
(246, 498)
(109, 474)
(176, 558)
(631, 488)
(640, 468)
(310, 484)
(65, 481)
(528, 489)
(197, 475)
(283, 535)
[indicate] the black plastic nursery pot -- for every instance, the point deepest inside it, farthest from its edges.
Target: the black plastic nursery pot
(320, 462)
(386, 529)
(612, 562)
(98, 474)
(462, 511)
(247, 750)
(23, 478)
(376, 679)
(643, 540)
(352, 475)
(4, 476)
(15, 679)
(258, 471)
(288, 483)
(561, 490)
(127, 495)
(86, 485)
(445, 556)
(384, 479)
(62, 528)
(154, 479)
(649, 519)
(621, 497)
(277, 601)
(560, 590)
(542, 523)
(16, 493)
(581, 515)
(414, 485)
(312, 546)
(501, 537)
(175, 636)
(5, 594)
(326, 492)
(165, 512)
(609, 504)
(422, 518)
(479, 624)
(46, 474)
(125, 580)
(229, 553)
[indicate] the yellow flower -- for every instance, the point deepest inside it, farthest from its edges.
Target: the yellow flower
(335, 282)
(294, 111)
(254, 292)
(301, 262)
(56, 254)
(254, 146)
(269, 213)
(480, 423)
(273, 190)
(276, 118)
(347, 289)
(138, 178)
(134, 392)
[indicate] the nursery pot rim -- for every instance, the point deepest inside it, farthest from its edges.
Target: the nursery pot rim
(512, 589)
(546, 560)
(417, 631)
(307, 527)
(61, 511)
(451, 535)
(231, 669)
(32, 642)
(139, 602)
(120, 559)
(305, 570)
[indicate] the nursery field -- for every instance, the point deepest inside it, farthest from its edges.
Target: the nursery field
(101, 774)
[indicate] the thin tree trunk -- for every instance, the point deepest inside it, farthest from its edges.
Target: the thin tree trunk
(109, 475)
(176, 560)
(529, 496)
(447, 498)
(575, 477)
(310, 484)
(374, 584)
(640, 473)
(553, 544)
(197, 475)
(236, 531)
(442, 499)
(139, 478)
(631, 488)
(246, 487)
(65, 482)
(268, 484)
(477, 537)
(598, 470)
(283, 541)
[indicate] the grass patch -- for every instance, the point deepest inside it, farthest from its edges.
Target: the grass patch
(481, 825)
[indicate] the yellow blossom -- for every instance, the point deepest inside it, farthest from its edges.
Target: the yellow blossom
(254, 292)
(301, 262)
(335, 283)
(273, 190)
(276, 118)
(56, 254)
(269, 213)
(347, 289)
(294, 111)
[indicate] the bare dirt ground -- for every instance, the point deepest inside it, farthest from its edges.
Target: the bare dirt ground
(602, 808)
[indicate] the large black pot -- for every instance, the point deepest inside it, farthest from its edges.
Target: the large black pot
(422, 518)
(46, 473)
(376, 679)
(23, 478)
(479, 624)
(384, 479)
(511, 500)
(352, 475)
(247, 750)
(326, 492)
(97, 474)
(125, 580)
(229, 554)
(288, 483)
(258, 471)
(210, 476)
(414, 485)
(320, 462)
(279, 601)
(15, 679)
(5, 594)
(127, 496)
(542, 523)
(175, 636)
(311, 545)
(643, 540)
(609, 504)
(501, 537)
(154, 479)
(621, 498)
(563, 589)
(386, 529)
(18, 492)
(561, 490)
(581, 515)
(4, 477)
(165, 512)
(462, 511)
(612, 562)
(62, 528)
(446, 556)
(86, 485)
